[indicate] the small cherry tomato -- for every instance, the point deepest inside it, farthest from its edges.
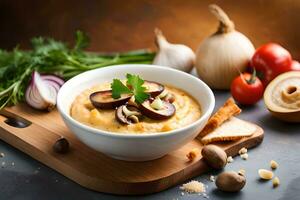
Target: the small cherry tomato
(247, 89)
(270, 60)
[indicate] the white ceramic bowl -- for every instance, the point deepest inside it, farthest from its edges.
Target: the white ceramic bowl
(135, 147)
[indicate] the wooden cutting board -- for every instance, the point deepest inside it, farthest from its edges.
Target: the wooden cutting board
(94, 170)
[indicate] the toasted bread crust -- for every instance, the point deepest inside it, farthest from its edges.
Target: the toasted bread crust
(228, 110)
(221, 139)
(231, 130)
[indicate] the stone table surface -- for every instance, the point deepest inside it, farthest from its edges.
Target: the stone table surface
(22, 177)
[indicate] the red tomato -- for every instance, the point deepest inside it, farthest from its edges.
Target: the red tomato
(245, 92)
(295, 66)
(271, 60)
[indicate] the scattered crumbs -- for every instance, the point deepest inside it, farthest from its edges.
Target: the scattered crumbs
(212, 178)
(276, 182)
(2, 164)
(230, 159)
(193, 154)
(2, 155)
(242, 172)
(273, 164)
(244, 156)
(265, 174)
(205, 196)
(243, 151)
(193, 187)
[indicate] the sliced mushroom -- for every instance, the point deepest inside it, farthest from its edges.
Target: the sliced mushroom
(134, 119)
(130, 110)
(132, 102)
(163, 94)
(126, 114)
(169, 98)
(104, 99)
(167, 110)
(153, 88)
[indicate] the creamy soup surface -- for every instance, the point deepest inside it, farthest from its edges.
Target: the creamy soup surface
(187, 112)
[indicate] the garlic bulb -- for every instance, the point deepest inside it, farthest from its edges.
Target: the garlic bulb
(177, 56)
(221, 56)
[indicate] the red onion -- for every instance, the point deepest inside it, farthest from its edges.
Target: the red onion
(42, 91)
(53, 78)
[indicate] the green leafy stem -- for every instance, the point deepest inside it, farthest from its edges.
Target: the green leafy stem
(50, 56)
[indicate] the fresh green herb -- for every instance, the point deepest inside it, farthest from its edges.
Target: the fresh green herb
(119, 88)
(82, 41)
(134, 85)
(50, 56)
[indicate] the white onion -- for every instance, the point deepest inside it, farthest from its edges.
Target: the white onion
(221, 56)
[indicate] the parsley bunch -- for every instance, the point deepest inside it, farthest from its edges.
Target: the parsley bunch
(50, 56)
(134, 86)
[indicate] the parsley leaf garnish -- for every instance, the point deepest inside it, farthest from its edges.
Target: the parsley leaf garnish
(134, 85)
(119, 88)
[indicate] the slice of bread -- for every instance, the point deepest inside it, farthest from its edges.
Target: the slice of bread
(232, 129)
(224, 113)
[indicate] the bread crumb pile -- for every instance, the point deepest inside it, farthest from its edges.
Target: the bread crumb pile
(193, 187)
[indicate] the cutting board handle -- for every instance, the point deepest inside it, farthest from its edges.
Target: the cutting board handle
(14, 120)
(26, 134)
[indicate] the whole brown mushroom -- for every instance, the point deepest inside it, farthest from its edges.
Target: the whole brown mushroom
(230, 181)
(214, 156)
